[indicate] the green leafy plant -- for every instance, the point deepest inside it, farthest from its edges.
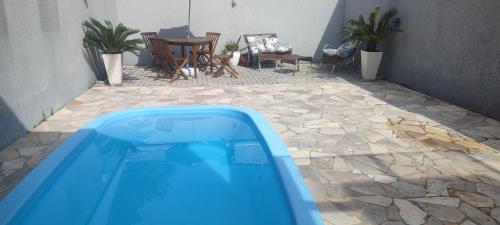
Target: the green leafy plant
(373, 31)
(230, 45)
(109, 39)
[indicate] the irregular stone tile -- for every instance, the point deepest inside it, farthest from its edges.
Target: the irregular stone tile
(392, 213)
(435, 130)
(443, 213)
(461, 185)
(393, 223)
(446, 201)
(369, 190)
(473, 199)
(27, 152)
(410, 213)
(383, 178)
(416, 129)
(476, 215)
(436, 188)
(495, 213)
(374, 162)
(489, 190)
(13, 164)
(8, 154)
(338, 177)
(333, 215)
(377, 200)
(316, 188)
(409, 190)
(339, 164)
(373, 214)
(401, 171)
(468, 222)
(433, 221)
(321, 163)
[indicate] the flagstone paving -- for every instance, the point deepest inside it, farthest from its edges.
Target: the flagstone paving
(370, 152)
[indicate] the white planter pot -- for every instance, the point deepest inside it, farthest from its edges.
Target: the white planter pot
(235, 60)
(370, 62)
(113, 64)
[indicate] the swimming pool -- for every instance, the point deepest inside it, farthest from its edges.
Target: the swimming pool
(191, 165)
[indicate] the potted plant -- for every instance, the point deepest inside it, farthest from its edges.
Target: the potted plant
(370, 34)
(111, 42)
(230, 46)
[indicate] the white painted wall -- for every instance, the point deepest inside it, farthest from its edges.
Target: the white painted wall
(307, 25)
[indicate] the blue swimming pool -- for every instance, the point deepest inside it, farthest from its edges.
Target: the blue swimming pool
(196, 165)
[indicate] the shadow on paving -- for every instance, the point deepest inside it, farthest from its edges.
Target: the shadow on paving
(412, 187)
(434, 123)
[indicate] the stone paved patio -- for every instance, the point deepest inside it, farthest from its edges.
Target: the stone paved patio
(370, 152)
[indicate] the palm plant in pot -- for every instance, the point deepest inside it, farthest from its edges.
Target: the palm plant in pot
(111, 42)
(370, 34)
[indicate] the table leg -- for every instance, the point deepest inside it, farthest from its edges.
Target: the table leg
(195, 60)
(210, 60)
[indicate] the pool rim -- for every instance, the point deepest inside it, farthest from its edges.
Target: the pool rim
(301, 202)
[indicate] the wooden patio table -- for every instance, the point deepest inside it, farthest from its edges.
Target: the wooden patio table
(195, 44)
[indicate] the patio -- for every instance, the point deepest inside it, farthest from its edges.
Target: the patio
(370, 152)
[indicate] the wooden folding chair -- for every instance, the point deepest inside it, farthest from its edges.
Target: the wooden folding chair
(205, 52)
(152, 52)
(223, 62)
(168, 59)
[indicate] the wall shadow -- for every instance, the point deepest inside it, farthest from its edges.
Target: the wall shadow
(94, 60)
(331, 35)
(11, 123)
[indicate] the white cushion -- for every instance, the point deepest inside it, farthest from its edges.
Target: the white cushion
(271, 44)
(331, 51)
(256, 44)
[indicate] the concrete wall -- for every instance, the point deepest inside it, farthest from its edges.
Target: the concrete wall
(449, 50)
(306, 25)
(42, 63)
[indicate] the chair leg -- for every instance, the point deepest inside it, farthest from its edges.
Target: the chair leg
(178, 72)
(231, 72)
(333, 67)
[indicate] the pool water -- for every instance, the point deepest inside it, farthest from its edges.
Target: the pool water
(164, 168)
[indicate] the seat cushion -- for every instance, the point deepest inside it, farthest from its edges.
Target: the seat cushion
(346, 49)
(331, 51)
(256, 44)
(273, 45)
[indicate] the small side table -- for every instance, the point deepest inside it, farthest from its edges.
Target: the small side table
(290, 59)
(307, 59)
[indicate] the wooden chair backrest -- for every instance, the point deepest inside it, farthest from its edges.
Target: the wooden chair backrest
(146, 36)
(163, 50)
(235, 48)
(215, 36)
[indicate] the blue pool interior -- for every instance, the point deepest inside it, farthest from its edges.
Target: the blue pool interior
(164, 168)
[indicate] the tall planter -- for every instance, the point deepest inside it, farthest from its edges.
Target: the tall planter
(113, 65)
(235, 59)
(370, 62)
